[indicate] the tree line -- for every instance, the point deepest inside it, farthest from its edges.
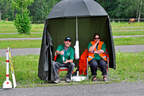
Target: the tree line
(39, 9)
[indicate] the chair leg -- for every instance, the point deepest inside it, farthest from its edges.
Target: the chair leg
(87, 70)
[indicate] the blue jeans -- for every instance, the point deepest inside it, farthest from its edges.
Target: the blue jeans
(57, 65)
(98, 63)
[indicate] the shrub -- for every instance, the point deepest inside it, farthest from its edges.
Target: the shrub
(23, 23)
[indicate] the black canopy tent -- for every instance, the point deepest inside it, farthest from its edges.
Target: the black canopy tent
(61, 22)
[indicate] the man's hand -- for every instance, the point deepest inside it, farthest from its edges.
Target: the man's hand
(60, 52)
(68, 61)
(99, 51)
(65, 62)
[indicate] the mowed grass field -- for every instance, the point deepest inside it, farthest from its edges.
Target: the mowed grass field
(129, 68)
(122, 28)
(8, 27)
(37, 43)
(20, 44)
(118, 29)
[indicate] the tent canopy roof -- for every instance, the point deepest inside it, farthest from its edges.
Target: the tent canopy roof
(73, 8)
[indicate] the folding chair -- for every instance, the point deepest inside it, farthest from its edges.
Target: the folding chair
(84, 62)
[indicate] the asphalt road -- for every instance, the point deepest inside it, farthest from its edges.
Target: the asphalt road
(114, 89)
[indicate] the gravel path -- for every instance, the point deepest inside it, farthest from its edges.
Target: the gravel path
(128, 36)
(130, 48)
(21, 51)
(36, 51)
(114, 89)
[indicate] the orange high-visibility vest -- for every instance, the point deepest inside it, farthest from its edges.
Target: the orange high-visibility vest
(102, 55)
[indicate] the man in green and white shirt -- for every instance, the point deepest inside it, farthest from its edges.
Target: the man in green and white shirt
(65, 57)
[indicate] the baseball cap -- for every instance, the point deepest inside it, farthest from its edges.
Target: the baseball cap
(67, 39)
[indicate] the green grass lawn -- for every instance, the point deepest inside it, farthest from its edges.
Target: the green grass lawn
(129, 68)
(8, 27)
(37, 43)
(117, 28)
(125, 24)
(33, 35)
(20, 44)
(123, 28)
(129, 41)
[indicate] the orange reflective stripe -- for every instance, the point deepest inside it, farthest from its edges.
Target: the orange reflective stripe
(90, 56)
(100, 45)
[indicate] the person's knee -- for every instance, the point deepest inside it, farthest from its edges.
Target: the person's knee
(93, 63)
(55, 64)
(72, 65)
(103, 63)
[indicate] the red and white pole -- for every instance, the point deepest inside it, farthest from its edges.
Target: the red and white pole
(7, 64)
(7, 83)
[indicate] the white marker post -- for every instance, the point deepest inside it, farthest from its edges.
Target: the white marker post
(7, 83)
(77, 42)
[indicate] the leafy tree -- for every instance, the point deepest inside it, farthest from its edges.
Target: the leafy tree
(40, 9)
(109, 6)
(123, 8)
(22, 20)
(140, 9)
(6, 9)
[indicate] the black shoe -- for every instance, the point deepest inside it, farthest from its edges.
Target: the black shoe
(68, 80)
(57, 81)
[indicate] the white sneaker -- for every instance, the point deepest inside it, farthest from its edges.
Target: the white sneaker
(105, 79)
(68, 80)
(57, 81)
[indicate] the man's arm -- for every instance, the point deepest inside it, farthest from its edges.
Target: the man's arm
(68, 61)
(103, 49)
(58, 50)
